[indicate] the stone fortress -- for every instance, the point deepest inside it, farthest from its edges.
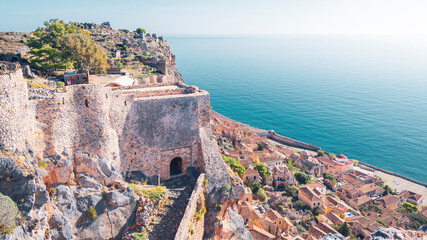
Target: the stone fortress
(146, 130)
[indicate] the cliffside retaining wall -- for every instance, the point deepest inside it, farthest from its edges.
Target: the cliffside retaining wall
(190, 227)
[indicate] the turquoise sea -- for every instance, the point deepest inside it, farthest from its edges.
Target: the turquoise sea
(364, 96)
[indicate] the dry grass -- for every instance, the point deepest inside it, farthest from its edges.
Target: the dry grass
(152, 192)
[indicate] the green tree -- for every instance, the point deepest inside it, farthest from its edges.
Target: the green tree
(300, 205)
(234, 165)
(260, 146)
(343, 229)
(291, 190)
(301, 228)
(320, 153)
(317, 211)
(262, 170)
(255, 187)
(60, 45)
(302, 178)
(141, 30)
(84, 52)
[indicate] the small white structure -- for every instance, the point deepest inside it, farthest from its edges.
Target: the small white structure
(122, 81)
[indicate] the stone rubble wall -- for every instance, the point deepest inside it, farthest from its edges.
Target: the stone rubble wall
(13, 108)
(190, 228)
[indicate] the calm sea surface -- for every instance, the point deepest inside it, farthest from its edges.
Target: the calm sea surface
(365, 96)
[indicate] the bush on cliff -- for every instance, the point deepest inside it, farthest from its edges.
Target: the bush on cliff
(141, 30)
(234, 165)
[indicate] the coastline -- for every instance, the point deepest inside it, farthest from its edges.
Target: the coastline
(394, 180)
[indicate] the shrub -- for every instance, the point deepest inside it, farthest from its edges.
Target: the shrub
(91, 213)
(42, 164)
(261, 195)
(417, 220)
(280, 208)
(234, 165)
(255, 187)
(262, 170)
(330, 155)
(52, 191)
(300, 205)
(8, 214)
(140, 30)
(410, 208)
(140, 235)
(301, 229)
(119, 64)
(205, 182)
(320, 153)
(291, 190)
(317, 211)
(302, 178)
(60, 84)
(260, 146)
(343, 229)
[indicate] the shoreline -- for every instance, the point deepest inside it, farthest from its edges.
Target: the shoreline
(393, 179)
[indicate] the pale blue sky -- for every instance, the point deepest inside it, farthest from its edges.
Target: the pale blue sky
(227, 16)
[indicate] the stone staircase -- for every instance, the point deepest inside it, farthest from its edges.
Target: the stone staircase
(169, 218)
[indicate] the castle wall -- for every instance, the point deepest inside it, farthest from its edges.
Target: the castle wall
(77, 119)
(133, 130)
(13, 108)
(158, 129)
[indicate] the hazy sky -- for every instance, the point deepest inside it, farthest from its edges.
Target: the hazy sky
(226, 16)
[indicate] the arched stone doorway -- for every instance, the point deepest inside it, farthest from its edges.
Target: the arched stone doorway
(176, 166)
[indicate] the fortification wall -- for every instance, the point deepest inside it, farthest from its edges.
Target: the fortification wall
(192, 223)
(134, 131)
(13, 111)
(77, 119)
(159, 129)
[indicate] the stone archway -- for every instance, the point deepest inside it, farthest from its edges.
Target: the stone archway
(175, 166)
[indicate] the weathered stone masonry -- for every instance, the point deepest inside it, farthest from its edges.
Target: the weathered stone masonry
(138, 130)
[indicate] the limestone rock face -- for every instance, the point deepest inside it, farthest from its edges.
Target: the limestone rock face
(60, 170)
(16, 185)
(395, 234)
(96, 168)
(60, 228)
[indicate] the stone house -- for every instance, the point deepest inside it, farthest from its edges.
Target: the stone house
(360, 201)
(310, 196)
(388, 201)
(281, 222)
(318, 186)
(247, 196)
(339, 171)
(309, 164)
(261, 234)
(251, 176)
(411, 197)
(370, 190)
(282, 177)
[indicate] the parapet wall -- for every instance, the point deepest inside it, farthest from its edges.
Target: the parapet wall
(13, 111)
(192, 223)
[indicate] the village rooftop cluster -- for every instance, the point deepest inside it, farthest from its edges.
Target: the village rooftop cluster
(306, 194)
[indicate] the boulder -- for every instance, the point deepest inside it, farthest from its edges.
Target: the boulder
(60, 228)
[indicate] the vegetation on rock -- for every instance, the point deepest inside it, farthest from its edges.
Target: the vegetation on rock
(91, 213)
(8, 214)
(234, 165)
